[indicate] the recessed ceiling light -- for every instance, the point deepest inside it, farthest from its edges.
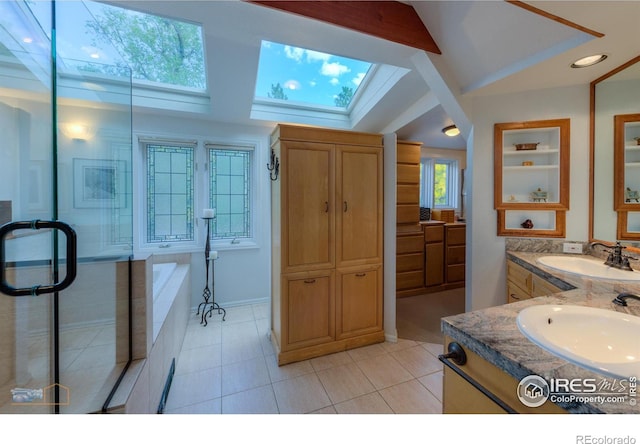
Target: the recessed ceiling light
(588, 61)
(451, 130)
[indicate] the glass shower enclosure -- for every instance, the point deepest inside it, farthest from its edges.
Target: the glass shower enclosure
(65, 211)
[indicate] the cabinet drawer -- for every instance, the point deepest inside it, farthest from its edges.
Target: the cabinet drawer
(406, 214)
(515, 293)
(409, 244)
(519, 276)
(455, 273)
(408, 174)
(540, 287)
(455, 255)
(433, 233)
(408, 194)
(408, 153)
(409, 279)
(409, 262)
(456, 235)
(359, 302)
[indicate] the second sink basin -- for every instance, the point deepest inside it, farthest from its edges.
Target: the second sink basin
(589, 267)
(604, 341)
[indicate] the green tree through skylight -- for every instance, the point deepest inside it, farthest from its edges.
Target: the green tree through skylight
(156, 49)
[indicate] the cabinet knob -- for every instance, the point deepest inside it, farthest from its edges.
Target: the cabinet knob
(326, 206)
(361, 274)
(309, 281)
(345, 206)
(513, 296)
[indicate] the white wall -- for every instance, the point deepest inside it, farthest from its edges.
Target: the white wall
(242, 273)
(485, 250)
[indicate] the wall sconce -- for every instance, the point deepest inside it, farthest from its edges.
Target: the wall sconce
(76, 131)
(273, 166)
(451, 130)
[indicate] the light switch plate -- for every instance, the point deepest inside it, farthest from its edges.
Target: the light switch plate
(569, 247)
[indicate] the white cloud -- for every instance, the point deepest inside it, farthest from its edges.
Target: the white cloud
(334, 69)
(294, 53)
(292, 84)
(315, 56)
(334, 81)
(357, 80)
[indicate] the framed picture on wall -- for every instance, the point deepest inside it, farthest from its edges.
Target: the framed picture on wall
(99, 183)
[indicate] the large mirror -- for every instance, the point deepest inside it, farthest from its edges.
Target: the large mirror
(614, 94)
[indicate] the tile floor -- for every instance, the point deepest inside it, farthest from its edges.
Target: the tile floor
(230, 367)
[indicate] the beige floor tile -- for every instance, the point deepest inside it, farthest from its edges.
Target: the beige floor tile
(433, 383)
(411, 397)
(240, 313)
(383, 371)
(287, 371)
(434, 349)
(325, 411)
(332, 360)
(260, 400)
(195, 387)
(241, 350)
(239, 331)
(303, 394)
(372, 403)
(208, 407)
(244, 375)
(418, 361)
(201, 358)
(261, 311)
(201, 336)
(391, 347)
(345, 382)
(367, 352)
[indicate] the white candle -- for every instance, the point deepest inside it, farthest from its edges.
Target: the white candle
(213, 255)
(208, 213)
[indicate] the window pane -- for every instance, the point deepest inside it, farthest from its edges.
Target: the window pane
(440, 182)
(169, 193)
(230, 185)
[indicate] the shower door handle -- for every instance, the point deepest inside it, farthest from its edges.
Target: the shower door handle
(72, 257)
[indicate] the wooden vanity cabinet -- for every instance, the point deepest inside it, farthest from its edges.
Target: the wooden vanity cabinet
(523, 284)
(326, 242)
(460, 397)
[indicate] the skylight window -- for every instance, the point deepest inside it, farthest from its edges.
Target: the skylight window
(303, 76)
(156, 50)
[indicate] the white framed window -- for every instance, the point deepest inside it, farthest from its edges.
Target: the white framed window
(170, 191)
(440, 183)
(230, 169)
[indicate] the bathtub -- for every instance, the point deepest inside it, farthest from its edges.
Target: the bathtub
(161, 274)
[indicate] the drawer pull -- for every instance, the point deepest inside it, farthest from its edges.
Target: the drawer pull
(361, 274)
(513, 296)
(456, 354)
(309, 281)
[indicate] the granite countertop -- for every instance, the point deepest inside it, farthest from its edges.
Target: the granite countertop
(492, 333)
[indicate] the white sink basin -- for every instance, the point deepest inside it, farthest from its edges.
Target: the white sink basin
(589, 267)
(604, 341)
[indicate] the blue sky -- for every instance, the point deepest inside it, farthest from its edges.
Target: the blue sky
(307, 76)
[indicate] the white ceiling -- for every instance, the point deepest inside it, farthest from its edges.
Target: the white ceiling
(488, 47)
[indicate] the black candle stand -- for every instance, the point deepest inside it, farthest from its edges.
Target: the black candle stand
(207, 293)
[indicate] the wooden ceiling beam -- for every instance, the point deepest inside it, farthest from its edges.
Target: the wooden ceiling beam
(389, 20)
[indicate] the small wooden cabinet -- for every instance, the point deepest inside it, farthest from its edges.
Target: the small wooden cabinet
(523, 284)
(434, 254)
(460, 397)
(455, 252)
(531, 177)
(326, 242)
(444, 251)
(626, 184)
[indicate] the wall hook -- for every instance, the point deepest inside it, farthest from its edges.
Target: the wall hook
(273, 166)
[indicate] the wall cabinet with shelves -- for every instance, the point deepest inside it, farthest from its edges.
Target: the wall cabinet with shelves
(531, 185)
(626, 191)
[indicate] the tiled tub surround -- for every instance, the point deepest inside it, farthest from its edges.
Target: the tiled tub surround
(493, 334)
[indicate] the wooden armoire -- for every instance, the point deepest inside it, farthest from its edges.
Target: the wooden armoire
(327, 238)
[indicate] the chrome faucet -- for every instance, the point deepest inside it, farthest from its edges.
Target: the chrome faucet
(615, 258)
(621, 299)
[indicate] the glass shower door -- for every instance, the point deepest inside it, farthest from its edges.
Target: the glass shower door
(66, 151)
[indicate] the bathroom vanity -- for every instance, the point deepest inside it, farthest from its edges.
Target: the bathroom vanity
(499, 355)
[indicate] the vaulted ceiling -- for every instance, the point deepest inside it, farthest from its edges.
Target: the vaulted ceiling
(486, 47)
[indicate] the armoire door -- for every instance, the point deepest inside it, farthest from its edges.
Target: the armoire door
(358, 206)
(308, 183)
